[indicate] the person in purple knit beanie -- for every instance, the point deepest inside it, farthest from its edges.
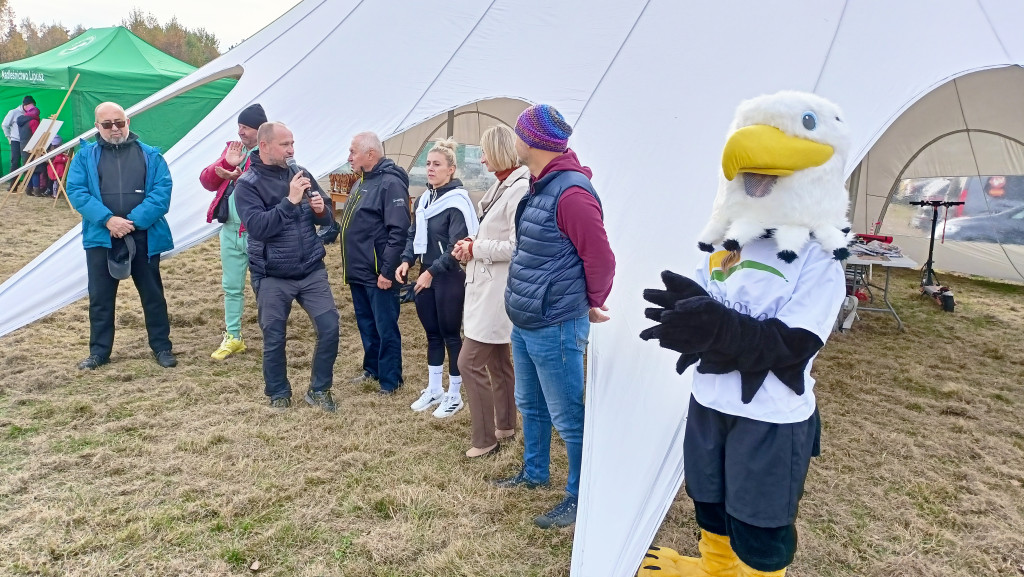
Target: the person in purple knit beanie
(559, 278)
(541, 126)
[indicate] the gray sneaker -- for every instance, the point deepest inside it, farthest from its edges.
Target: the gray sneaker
(518, 480)
(280, 405)
(366, 377)
(322, 399)
(563, 515)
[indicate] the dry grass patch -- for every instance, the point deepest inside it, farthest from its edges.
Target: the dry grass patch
(136, 470)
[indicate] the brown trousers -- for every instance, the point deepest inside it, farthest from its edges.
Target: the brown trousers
(492, 402)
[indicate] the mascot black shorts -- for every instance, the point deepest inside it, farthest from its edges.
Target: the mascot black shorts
(756, 469)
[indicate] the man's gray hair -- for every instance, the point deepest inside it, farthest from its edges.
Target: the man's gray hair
(369, 141)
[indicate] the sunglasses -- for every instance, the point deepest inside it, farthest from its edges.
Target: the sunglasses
(108, 124)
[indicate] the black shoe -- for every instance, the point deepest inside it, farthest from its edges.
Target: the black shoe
(563, 515)
(91, 362)
(520, 480)
(166, 359)
(322, 399)
(280, 405)
(386, 393)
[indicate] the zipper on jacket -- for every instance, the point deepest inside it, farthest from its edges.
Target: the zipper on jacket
(120, 182)
(346, 217)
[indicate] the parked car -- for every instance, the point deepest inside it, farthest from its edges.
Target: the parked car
(1005, 227)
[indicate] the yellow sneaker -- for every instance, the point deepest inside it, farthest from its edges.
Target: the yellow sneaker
(229, 346)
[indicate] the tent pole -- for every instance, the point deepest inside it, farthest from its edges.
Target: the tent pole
(854, 190)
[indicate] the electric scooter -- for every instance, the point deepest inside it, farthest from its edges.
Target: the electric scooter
(930, 286)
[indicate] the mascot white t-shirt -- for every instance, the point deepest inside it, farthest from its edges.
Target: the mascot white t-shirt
(803, 294)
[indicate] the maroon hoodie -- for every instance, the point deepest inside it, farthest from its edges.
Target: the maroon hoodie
(33, 113)
(579, 218)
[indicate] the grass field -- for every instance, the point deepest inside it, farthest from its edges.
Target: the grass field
(136, 470)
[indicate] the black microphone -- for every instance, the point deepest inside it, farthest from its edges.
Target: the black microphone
(295, 169)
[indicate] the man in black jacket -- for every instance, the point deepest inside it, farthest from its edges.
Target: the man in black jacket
(374, 228)
(286, 263)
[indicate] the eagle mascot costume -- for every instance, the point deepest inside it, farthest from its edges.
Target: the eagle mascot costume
(753, 317)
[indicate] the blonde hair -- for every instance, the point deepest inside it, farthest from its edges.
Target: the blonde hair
(499, 144)
(446, 148)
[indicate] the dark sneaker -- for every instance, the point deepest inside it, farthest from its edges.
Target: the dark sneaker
(520, 480)
(166, 359)
(366, 377)
(91, 362)
(322, 399)
(563, 515)
(280, 405)
(391, 393)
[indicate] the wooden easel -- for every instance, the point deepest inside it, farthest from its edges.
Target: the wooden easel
(22, 181)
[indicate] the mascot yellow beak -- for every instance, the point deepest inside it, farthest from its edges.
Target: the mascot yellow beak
(764, 149)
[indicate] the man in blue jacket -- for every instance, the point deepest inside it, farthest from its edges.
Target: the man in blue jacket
(122, 188)
(286, 263)
(374, 229)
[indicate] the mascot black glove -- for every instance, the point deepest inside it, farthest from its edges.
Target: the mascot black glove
(729, 341)
(677, 287)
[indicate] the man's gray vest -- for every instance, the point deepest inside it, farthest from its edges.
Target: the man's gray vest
(546, 283)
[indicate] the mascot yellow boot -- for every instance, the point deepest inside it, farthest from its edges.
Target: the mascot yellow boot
(716, 560)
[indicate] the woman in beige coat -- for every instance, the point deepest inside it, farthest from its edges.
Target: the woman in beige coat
(487, 328)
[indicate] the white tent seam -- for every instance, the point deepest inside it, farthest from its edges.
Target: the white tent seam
(611, 63)
(831, 44)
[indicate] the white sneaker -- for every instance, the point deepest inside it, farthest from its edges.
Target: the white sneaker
(450, 405)
(426, 400)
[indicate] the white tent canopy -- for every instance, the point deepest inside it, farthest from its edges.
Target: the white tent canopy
(650, 87)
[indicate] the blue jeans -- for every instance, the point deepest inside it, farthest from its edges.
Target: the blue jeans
(549, 391)
(377, 318)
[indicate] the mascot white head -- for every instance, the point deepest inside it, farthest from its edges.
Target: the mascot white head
(782, 177)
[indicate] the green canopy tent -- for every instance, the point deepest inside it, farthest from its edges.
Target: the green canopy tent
(115, 65)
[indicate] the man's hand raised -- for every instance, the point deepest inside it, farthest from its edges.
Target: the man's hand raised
(234, 155)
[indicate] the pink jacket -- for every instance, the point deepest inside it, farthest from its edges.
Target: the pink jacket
(212, 182)
(59, 162)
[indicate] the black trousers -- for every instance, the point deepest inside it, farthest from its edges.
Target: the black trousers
(15, 155)
(103, 294)
(440, 310)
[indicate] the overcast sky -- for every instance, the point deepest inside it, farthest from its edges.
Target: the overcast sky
(230, 22)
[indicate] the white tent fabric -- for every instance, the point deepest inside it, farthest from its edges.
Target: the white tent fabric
(650, 86)
(972, 125)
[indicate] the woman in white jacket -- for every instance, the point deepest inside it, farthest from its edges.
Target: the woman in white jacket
(486, 349)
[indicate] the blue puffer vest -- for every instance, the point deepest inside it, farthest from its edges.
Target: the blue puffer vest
(546, 284)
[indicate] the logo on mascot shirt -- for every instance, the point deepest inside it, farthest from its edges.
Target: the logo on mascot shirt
(719, 274)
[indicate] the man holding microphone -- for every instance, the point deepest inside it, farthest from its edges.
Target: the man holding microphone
(281, 210)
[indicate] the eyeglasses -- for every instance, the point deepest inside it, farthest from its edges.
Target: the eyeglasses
(108, 124)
